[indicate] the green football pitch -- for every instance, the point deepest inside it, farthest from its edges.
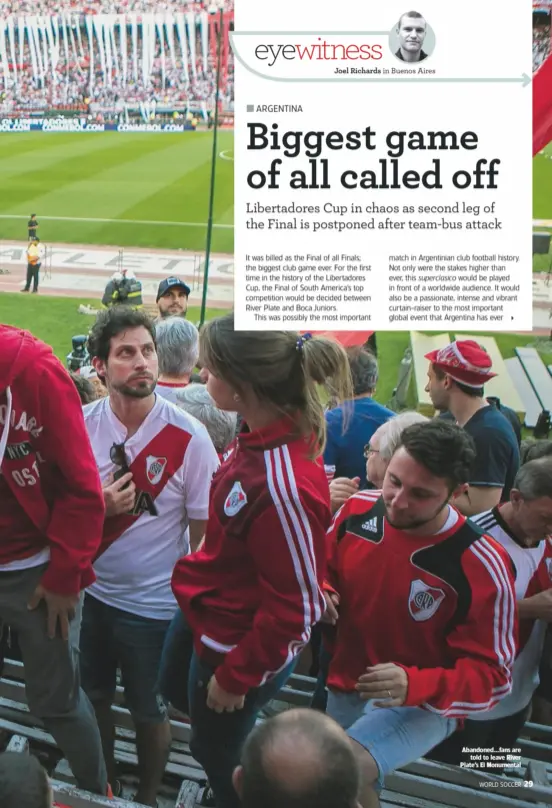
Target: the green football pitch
(542, 201)
(128, 190)
(542, 185)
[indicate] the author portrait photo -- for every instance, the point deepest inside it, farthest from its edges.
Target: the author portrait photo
(411, 33)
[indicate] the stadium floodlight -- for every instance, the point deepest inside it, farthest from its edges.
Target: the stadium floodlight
(213, 169)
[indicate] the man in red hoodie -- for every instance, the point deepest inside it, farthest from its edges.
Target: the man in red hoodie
(51, 520)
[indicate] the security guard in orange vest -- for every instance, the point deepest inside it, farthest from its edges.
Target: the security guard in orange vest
(35, 253)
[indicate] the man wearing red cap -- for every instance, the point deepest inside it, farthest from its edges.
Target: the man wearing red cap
(456, 378)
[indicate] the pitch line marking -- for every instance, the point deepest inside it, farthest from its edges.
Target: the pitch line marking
(223, 155)
(119, 221)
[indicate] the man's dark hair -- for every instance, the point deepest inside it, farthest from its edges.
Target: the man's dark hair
(474, 392)
(364, 370)
(111, 322)
(23, 782)
(444, 449)
(333, 781)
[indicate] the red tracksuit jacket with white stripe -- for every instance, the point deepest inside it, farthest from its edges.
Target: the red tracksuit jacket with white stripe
(442, 607)
(254, 589)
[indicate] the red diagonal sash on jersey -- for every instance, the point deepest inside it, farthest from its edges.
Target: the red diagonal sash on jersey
(151, 471)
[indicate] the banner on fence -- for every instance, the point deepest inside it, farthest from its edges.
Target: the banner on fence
(83, 125)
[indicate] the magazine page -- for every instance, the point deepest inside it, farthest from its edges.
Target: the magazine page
(275, 403)
(383, 166)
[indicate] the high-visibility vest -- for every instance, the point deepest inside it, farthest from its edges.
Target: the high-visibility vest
(134, 297)
(131, 294)
(33, 254)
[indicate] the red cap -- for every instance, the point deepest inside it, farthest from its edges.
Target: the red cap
(464, 361)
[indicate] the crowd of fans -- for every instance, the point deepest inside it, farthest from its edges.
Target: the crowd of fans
(106, 6)
(541, 44)
(75, 93)
(72, 87)
(224, 524)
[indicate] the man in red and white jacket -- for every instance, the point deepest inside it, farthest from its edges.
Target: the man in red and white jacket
(51, 520)
(426, 632)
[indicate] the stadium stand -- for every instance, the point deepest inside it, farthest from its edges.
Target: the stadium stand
(500, 386)
(102, 6)
(435, 784)
(114, 61)
(541, 34)
(421, 345)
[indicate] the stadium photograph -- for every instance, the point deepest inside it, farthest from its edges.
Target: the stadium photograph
(106, 135)
(245, 570)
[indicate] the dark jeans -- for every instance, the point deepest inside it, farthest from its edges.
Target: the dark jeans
(217, 738)
(321, 665)
(112, 638)
(544, 689)
(32, 275)
(320, 695)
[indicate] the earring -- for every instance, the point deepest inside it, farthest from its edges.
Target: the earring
(236, 397)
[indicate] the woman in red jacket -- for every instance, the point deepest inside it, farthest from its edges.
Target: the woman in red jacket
(250, 595)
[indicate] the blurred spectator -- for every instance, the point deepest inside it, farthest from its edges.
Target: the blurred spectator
(23, 782)
(123, 289)
(32, 226)
(172, 298)
(456, 377)
(88, 372)
(220, 424)
(300, 759)
(35, 253)
(178, 351)
(378, 452)
(533, 449)
(522, 527)
(85, 388)
(351, 424)
(384, 443)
